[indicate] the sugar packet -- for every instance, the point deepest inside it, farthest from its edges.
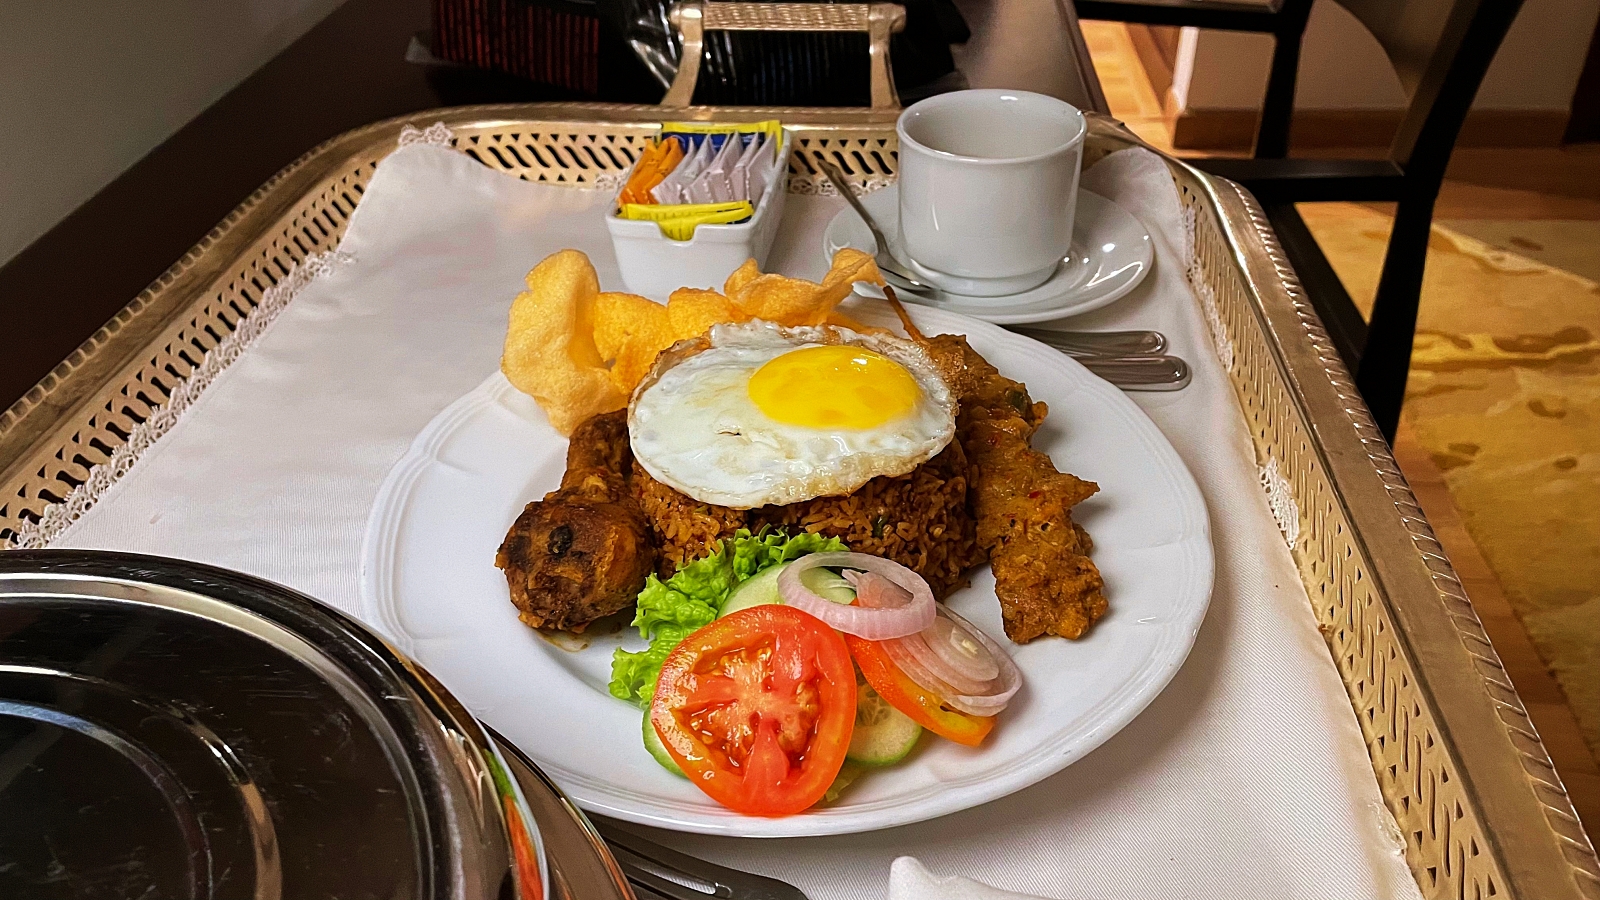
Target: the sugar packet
(739, 178)
(759, 167)
(679, 221)
(712, 185)
(674, 188)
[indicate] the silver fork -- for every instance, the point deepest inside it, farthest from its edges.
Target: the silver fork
(1131, 360)
(1077, 344)
(655, 871)
(1097, 343)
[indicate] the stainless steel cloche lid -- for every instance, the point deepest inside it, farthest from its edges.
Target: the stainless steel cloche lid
(169, 729)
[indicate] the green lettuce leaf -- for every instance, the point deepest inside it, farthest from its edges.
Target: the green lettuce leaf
(690, 598)
(633, 675)
(671, 610)
(752, 553)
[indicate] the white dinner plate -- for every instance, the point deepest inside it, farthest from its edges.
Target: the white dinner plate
(1111, 254)
(428, 582)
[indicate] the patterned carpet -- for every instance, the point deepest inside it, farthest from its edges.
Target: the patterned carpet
(1505, 396)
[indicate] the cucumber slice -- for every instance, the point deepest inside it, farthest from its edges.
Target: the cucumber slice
(883, 734)
(848, 773)
(757, 590)
(652, 742)
(762, 588)
(829, 585)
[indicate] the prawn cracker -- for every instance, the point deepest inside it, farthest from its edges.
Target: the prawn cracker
(550, 352)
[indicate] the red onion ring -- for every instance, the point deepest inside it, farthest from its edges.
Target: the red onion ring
(875, 591)
(955, 684)
(871, 623)
(913, 655)
(960, 650)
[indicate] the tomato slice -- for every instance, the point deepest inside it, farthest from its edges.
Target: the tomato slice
(923, 706)
(758, 707)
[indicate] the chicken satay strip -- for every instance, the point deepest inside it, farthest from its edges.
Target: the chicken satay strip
(583, 551)
(1044, 578)
(1043, 575)
(977, 383)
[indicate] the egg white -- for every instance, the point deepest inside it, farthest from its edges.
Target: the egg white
(693, 426)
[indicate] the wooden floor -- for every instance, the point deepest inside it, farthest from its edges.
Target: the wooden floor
(1554, 183)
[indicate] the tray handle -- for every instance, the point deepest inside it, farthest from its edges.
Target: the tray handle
(692, 18)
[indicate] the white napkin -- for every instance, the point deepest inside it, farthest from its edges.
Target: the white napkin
(909, 879)
(1248, 776)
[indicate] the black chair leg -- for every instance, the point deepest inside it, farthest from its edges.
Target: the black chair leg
(1386, 359)
(1277, 107)
(1327, 293)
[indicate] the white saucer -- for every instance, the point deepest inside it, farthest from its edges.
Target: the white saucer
(1111, 254)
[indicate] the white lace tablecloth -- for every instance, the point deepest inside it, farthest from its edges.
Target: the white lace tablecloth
(1247, 777)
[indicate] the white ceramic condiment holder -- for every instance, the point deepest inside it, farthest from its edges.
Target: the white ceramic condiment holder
(655, 265)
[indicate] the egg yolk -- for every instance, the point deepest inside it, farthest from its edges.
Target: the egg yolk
(836, 386)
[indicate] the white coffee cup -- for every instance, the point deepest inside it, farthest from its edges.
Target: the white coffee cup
(988, 188)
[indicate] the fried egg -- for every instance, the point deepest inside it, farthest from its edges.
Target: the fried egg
(759, 414)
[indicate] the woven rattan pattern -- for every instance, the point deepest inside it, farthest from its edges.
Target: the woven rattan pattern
(1442, 814)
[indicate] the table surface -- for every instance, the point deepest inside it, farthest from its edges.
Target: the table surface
(345, 72)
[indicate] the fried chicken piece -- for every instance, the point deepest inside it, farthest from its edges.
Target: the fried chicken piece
(1043, 575)
(582, 552)
(599, 442)
(977, 383)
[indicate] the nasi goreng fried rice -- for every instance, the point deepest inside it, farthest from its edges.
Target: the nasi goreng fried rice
(920, 520)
